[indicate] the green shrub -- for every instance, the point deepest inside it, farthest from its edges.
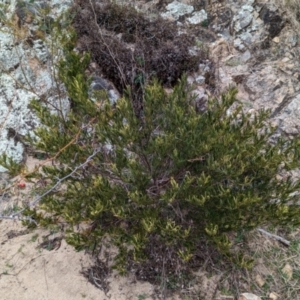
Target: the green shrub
(174, 176)
(11, 165)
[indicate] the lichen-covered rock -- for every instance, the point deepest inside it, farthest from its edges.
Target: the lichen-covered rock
(26, 72)
(177, 9)
(254, 47)
(198, 17)
(98, 83)
(243, 18)
(256, 50)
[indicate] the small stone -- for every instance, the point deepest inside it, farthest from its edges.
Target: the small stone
(293, 40)
(273, 296)
(246, 37)
(113, 96)
(276, 39)
(249, 296)
(190, 80)
(99, 83)
(198, 17)
(177, 9)
(200, 79)
(243, 18)
(296, 75)
(285, 59)
(260, 281)
(290, 66)
(246, 56)
(288, 271)
(238, 44)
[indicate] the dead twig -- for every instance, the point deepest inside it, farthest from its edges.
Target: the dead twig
(18, 214)
(274, 236)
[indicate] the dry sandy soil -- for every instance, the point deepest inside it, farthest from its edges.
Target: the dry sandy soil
(31, 272)
(28, 272)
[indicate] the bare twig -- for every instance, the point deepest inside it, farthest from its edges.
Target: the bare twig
(274, 236)
(102, 40)
(17, 215)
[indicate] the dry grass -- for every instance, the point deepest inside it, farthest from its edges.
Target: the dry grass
(292, 10)
(278, 267)
(276, 271)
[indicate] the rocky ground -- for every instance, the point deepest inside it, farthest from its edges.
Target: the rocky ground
(253, 45)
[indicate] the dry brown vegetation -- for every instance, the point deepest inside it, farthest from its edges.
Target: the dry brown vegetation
(130, 49)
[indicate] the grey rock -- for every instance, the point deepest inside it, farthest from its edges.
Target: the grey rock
(246, 56)
(201, 99)
(10, 54)
(238, 44)
(177, 9)
(293, 40)
(200, 79)
(7, 91)
(18, 75)
(58, 103)
(40, 50)
(290, 117)
(243, 18)
(205, 67)
(246, 37)
(249, 296)
(198, 17)
(113, 96)
(24, 75)
(190, 80)
(10, 148)
(265, 83)
(98, 83)
(285, 59)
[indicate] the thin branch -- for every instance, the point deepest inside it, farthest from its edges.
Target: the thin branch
(102, 40)
(274, 236)
(16, 216)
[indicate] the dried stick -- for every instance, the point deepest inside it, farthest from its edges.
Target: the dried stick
(274, 236)
(16, 216)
